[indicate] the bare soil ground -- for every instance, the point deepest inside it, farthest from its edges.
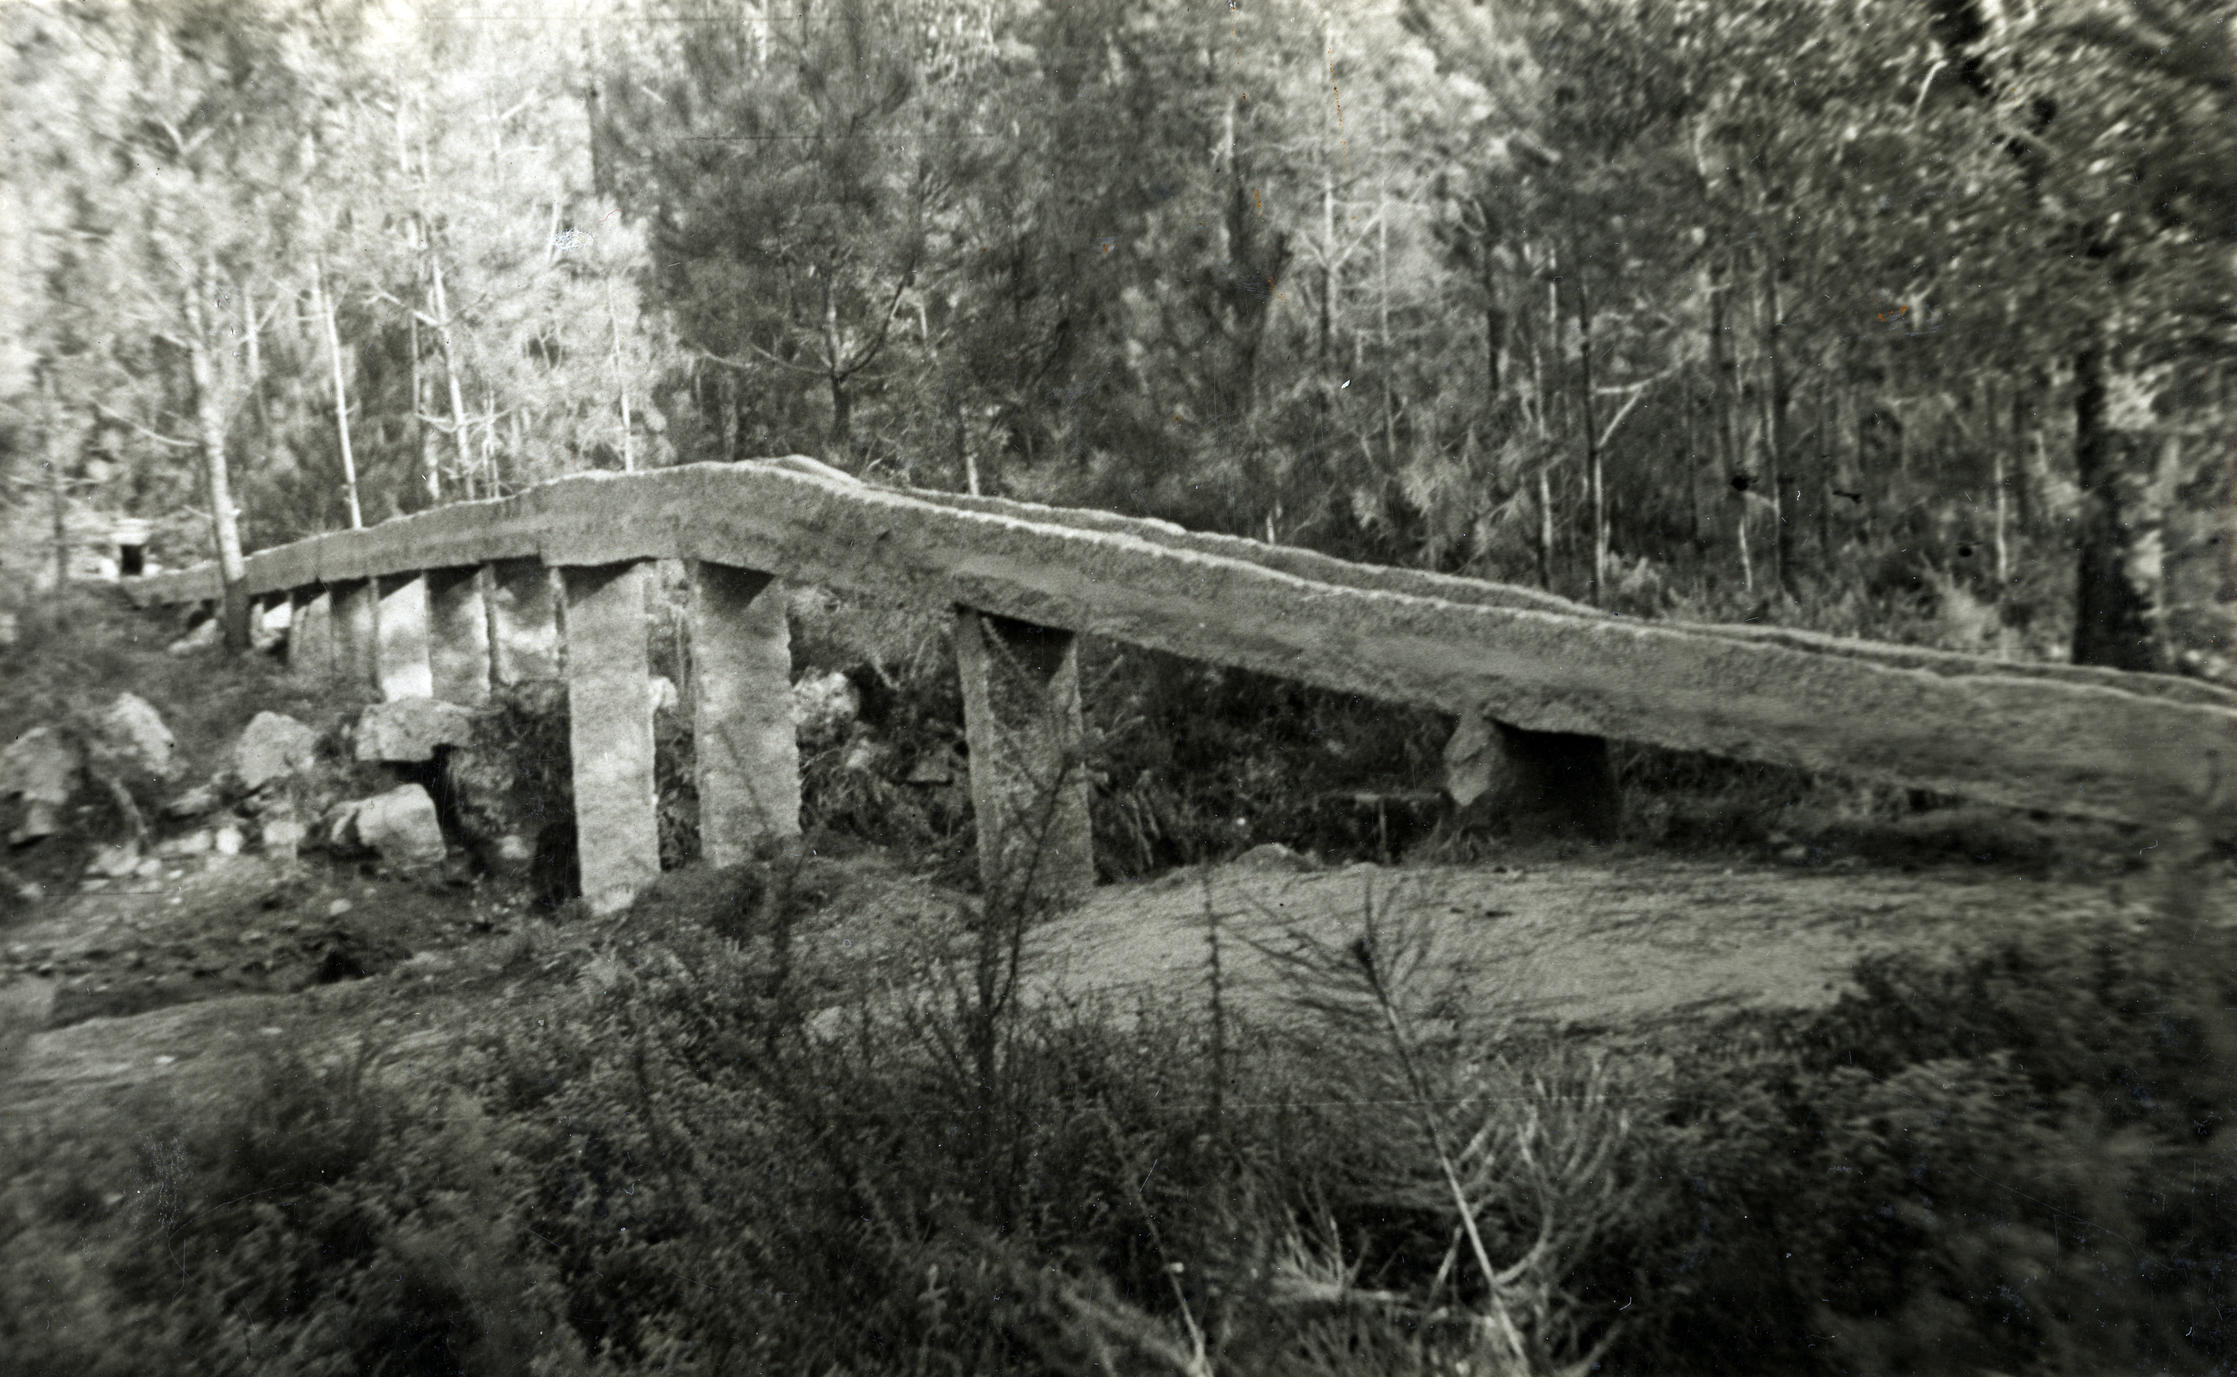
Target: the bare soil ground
(182, 983)
(1595, 941)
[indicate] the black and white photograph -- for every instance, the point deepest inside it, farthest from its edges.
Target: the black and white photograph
(1118, 688)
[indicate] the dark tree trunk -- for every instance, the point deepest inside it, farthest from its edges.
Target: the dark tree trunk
(2113, 604)
(842, 414)
(1724, 421)
(2027, 401)
(1695, 535)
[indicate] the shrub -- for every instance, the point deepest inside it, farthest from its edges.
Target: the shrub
(2011, 1162)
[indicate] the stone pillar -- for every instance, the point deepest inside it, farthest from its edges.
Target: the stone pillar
(524, 640)
(356, 625)
(743, 737)
(1531, 784)
(1021, 716)
(310, 635)
(609, 715)
(458, 654)
(403, 662)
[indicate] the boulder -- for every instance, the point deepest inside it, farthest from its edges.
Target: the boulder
(1272, 856)
(512, 854)
(283, 836)
(866, 755)
(664, 695)
(815, 468)
(400, 826)
(132, 734)
(337, 827)
(42, 765)
(115, 862)
(409, 729)
(936, 768)
(201, 637)
(273, 746)
(824, 705)
(1529, 783)
(201, 799)
(191, 844)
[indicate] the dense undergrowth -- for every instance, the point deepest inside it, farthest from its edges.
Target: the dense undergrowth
(728, 1140)
(734, 1146)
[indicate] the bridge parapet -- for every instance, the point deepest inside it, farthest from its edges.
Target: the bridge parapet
(447, 601)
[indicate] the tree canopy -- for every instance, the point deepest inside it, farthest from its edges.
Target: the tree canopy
(1910, 318)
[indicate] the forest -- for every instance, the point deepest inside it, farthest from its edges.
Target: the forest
(1908, 320)
(1901, 318)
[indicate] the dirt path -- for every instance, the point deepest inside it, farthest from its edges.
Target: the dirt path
(1620, 942)
(1625, 940)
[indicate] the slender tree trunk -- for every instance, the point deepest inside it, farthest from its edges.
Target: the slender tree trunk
(1546, 525)
(1594, 478)
(1553, 395)
(2114, 606)
(423, 444)
(1386, 359)
(842, 413)
(1999, 471)
(1495, 318)
(253, 337)
(726, 390)
(1724, 409)
(741, 416)
(2024, 439)
(460, 430)
(842, 406)
(1777, 400)
(1694, 533)
(490, 445)
(621, 383)
(210, 427)
(325, 306)
(1545, 528)
(963, 454)
(1825, 415)
(1866, 419)
(2003, 565)
(57, 490)
(1226, 161)
(1328, 271)
(1747, 563)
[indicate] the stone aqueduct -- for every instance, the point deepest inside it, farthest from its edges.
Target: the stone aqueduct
(445, 602)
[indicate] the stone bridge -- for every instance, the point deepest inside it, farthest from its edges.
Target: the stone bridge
(445, 602)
